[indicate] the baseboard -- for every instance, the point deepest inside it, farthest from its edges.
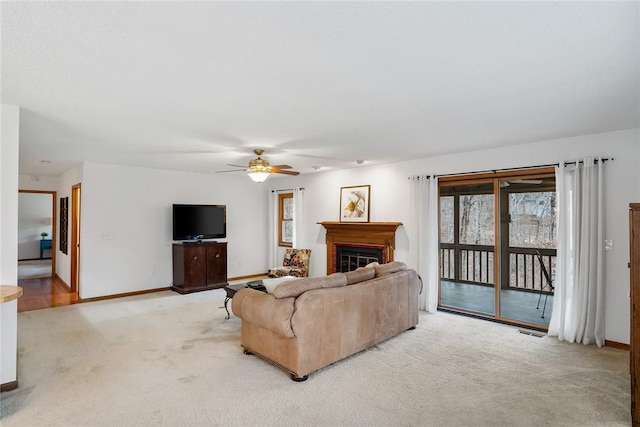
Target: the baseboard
(62, 282)
(251, 276)
(12, 385)
(618, 345)
(148, 291)
(126, 294)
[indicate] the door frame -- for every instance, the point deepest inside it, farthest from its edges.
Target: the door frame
(501, 242)
(75, 239)
(54, 222)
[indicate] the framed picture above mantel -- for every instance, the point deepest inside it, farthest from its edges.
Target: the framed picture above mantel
(354, 203)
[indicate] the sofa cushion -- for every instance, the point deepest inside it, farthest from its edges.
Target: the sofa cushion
(293, 288)
(360, 275)
(390, 267)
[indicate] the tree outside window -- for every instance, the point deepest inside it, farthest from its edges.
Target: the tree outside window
(285, 214)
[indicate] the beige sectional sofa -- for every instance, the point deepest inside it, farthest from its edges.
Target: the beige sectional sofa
(306, 324)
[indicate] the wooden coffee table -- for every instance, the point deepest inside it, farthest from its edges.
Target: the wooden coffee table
(232, 289)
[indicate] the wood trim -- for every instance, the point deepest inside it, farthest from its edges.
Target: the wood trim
(76, 202)
(281, 218)
(366, 233)
(54, 221)
(63, 283)
(497, 249)
(634, 314)
(618, 345)
(11, 385)
(126, 294)
(250, 276)
(496, 175)
(149, 291)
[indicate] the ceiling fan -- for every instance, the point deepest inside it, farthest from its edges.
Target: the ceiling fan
(260, 169)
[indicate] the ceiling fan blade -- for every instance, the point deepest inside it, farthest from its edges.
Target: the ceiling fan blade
(231, 170)
(237, 166)
(276, 170)
(281, 167)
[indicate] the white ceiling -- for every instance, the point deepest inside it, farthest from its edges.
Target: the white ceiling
(196, 85)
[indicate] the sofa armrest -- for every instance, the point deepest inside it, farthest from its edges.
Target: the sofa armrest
(264, 310)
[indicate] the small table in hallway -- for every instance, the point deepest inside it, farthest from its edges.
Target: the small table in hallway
(44, 244)
(232, 289)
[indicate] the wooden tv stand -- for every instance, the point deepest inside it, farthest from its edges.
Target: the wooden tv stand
(199, 266)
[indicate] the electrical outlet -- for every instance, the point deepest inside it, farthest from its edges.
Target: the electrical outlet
(608, 245)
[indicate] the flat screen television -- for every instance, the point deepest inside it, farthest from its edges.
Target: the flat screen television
(197, 222)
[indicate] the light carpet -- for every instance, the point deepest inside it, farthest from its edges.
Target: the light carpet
(34, 269)
(165, 359)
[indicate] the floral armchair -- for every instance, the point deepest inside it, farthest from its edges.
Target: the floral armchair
(295, 263)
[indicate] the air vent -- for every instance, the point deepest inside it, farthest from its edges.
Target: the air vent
(532, 333)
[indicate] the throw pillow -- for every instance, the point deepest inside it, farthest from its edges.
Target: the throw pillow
(273, 283)
(390, 267)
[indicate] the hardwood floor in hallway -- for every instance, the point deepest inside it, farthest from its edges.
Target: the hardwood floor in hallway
(44, 292)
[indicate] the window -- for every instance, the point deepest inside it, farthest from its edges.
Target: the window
(285, 216)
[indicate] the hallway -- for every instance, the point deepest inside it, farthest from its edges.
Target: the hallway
(44, 292)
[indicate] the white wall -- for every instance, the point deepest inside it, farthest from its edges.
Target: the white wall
(64, 184)
(126, 225)
(9, 143)
(9, 200)
(34, 217)
(390, 199)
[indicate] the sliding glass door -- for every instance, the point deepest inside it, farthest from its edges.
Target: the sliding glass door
(467, 241)
(529, 249)
(497, 246)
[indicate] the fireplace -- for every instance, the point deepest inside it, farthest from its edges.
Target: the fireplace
(350, 256)
(351, 245)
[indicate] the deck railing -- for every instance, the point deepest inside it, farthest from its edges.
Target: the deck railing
(475, 264)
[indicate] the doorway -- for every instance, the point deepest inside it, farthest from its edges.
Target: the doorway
(36, 234)
(498, 246)
(75, 238)
(39, 238)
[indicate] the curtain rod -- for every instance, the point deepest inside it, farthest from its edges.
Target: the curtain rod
(288, 189)
(595, 161)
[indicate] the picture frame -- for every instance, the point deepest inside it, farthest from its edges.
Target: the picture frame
(355, 202)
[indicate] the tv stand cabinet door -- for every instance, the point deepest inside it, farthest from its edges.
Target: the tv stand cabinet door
(217, 265)
(193, 262)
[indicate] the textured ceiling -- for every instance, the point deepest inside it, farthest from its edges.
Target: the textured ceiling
(196, 85)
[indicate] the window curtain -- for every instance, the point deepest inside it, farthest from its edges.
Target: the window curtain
(578, 304)
(298, 218)
(423, 237)
(272, 251)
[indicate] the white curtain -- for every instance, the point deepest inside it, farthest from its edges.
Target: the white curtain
(272, 250)
(298, 218)
(423, 237)
(578, 304)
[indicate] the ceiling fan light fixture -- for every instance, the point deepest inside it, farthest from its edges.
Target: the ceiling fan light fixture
(259, 176)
